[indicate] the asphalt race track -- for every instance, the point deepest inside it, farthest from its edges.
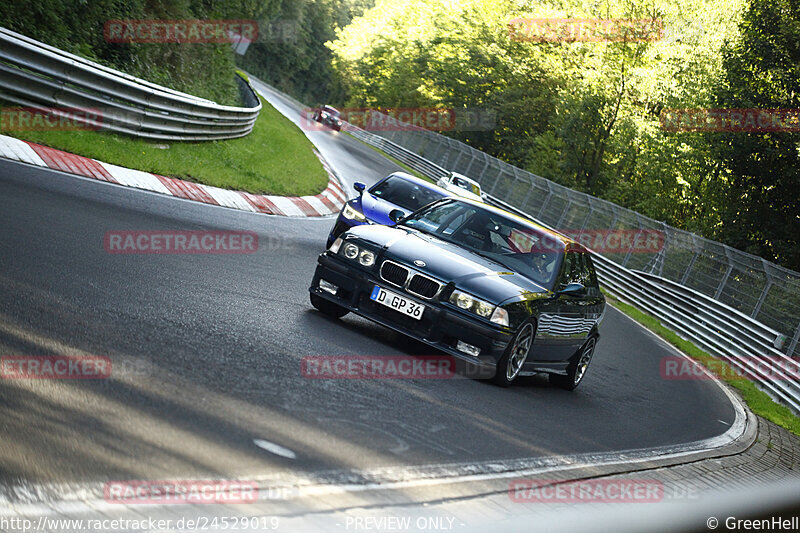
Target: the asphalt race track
(206, 352)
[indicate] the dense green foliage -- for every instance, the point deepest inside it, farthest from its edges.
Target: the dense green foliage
(587, 114)
(290, 53)
(760, 197)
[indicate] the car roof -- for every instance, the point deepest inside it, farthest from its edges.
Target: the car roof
(330, 108)
(418, 181)
(462, 176)
(570, 245)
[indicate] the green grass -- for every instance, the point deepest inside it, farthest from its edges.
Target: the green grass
(276, 158)
(759, 402)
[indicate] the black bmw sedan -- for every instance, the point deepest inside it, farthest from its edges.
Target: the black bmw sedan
(473, 281)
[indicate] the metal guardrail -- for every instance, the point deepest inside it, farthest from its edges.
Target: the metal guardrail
(40, 76)
(752, 348)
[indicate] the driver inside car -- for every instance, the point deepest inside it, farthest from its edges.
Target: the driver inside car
(543, 265)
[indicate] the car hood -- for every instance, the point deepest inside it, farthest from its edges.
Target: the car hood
(375, 209)
(458, 191)
(448, 262)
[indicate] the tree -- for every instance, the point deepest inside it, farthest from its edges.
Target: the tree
(758, 193)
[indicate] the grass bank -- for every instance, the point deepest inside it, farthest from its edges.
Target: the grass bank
(276, 158)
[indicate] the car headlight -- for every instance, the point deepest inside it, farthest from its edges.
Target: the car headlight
(472, 304)
(353, 214)
(354, 253)
(350, 250)
(366, 258)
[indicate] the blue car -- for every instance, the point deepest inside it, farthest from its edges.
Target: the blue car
(397, 191)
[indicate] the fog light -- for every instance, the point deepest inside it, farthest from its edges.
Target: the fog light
(328, 287)
(469, 349)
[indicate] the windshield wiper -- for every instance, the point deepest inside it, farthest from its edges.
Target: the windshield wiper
(487, 256)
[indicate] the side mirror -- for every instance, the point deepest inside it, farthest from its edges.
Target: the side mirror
(395, 215)
(359, 186)
(572, 289)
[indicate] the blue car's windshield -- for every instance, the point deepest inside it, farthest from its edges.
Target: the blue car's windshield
(520, 247)
(404, 193)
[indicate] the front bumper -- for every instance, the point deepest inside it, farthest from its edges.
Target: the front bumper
(440, 327)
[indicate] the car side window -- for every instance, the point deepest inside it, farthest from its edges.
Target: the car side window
(593, 285)
(568, 271)
(578, 268)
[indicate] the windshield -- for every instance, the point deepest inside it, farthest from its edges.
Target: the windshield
(467, 185)
(405, 194)
(509, 242)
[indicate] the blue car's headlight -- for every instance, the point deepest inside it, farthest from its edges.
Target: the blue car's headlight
(353, 214)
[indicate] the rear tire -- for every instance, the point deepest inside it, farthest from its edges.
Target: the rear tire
(577, 367)
(509, 366)
(328, 307)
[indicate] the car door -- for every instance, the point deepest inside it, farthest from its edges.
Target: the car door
(594, 302)
(566, 326)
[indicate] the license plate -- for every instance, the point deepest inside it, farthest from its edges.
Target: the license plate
(397, 302)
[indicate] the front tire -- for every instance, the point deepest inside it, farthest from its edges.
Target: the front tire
(510, 365)
(328, 307)
(577, 368)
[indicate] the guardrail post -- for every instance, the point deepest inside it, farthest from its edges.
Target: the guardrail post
(494, 185)
(483, 171)
(469, 165)
(588, 215)
(546, 201)
(630, 250)
(434, 155)
(695, 253)
(761, 298)
(727, 275)
(722, 283)
(564, 214)
(524, 203)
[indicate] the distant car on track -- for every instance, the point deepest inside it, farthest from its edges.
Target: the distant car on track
(329, 116)
(398, 190)
(461, 185)
(481, 284)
